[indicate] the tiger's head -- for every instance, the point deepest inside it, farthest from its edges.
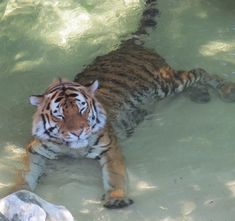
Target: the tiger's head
(67, 113)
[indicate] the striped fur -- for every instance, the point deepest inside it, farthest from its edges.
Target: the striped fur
(132, 78)
(68, 113)
(108, 99)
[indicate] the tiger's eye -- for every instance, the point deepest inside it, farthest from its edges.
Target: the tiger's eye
(58, 99)
(73, 95)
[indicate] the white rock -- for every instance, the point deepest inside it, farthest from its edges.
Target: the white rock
(27, 206)
(3, 218)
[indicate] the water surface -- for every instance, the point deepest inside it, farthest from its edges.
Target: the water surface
(181, 158)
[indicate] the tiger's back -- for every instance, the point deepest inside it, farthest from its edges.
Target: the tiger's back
(128, 82)
(131, 79)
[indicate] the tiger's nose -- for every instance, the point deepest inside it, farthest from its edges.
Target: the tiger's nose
(76, 133)
(80, 129)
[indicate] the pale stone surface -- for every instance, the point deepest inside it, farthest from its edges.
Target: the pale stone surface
(27, 206)
(3, 218)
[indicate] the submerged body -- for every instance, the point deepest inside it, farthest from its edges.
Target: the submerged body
(107, 99)
(132, 78)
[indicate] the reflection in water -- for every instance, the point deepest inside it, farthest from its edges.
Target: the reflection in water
(231, 186)
(74, 25)
(215, 47)
(9, 163)
(61, 23)
(26, 65)
(142, 185)
(181, 159)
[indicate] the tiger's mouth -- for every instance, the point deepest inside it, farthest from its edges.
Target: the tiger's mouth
(77, 144)
(74, 144)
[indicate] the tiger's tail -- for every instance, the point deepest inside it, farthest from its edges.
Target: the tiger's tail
(146, 24)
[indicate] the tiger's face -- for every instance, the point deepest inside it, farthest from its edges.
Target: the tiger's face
(67, 113)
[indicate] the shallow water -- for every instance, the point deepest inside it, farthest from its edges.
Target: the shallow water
(181, 158)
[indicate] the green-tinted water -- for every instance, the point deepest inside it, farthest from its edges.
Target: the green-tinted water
(181, 160)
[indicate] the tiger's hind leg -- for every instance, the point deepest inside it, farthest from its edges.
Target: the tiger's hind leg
(198, 93)
(225, 89)
(227, 92)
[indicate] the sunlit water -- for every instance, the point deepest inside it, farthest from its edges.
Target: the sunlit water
(181, 160)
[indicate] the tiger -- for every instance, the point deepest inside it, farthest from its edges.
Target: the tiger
(107, 100)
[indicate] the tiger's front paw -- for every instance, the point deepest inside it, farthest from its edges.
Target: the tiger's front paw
(113, 201)
(117, 203)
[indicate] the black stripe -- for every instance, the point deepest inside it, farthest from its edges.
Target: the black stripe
(63, 88)
(48, 148)
(150, 1)
(73, 95)
(44, 121)
(94, 105)
(48, 106)
(53, 89)
(53, 96)
(93, 126)
(106, 145)
(149, 22)
(47, 118)
(57, 100)
(71, 88)
(151, 12)
(98, 139)
(51, 128)
(44, 126)
(104, 151)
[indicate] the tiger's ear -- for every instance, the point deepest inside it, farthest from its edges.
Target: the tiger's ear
(36, 99)
(93, 86)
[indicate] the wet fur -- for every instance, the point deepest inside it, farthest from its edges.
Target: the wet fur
(130, 79)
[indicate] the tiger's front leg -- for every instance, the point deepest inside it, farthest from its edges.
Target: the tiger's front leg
(114, 175)
(34, 164)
